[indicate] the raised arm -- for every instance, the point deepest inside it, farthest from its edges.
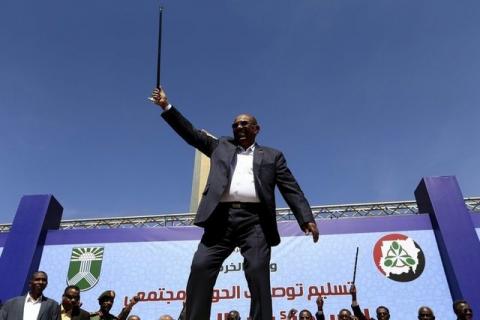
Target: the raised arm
(128, 308)
(355, 307)
(319, 314)
(194, 137)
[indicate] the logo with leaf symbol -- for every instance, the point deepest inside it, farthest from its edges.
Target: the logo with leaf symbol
(399, 257)
(85, 266)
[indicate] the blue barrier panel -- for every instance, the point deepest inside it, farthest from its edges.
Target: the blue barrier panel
(456, 238)
(36, 214)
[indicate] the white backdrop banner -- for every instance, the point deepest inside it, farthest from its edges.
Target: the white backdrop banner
(401, 270)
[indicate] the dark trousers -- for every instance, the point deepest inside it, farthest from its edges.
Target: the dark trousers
(230, 228)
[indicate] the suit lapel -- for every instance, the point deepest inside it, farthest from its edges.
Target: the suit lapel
(21, 306)
(43, 306)
(231, 151)
(257, 161)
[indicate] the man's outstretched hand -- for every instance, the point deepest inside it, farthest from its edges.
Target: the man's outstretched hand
(159, 97)
(311, 228)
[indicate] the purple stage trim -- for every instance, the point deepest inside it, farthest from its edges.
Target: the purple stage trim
(3, 238)
(287, 229)
(476, 219)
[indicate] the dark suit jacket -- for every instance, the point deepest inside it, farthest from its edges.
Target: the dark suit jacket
(358, 313)
(269, 168)
(13, 309)
(80, 314)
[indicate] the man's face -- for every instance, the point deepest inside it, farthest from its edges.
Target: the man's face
(71, 299)
(305, 315)
(106, 304)
(383, 314)
(425, 314)
(344, 315)
(464, 311)
(245, 129)
(233, 315)
(38, 283)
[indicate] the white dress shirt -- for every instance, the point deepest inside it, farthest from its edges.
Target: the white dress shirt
(242, 185)
(31, 309)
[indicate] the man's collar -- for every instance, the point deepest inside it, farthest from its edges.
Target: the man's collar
(63, 311)
(251, 148)
(30, 298)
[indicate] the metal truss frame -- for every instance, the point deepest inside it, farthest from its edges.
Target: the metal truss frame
(283, 214)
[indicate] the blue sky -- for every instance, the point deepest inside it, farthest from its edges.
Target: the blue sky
(363, 97)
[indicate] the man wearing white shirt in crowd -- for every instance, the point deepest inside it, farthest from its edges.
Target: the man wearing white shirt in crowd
(34, 305)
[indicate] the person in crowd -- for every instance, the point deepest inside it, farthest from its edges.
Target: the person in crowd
(237, 208)
(233, 315)
(106, 300)
(382, 312)
(425, 313)
(70, 306)
(166, 317)
(344, 314)
(463, 310)
(34, 305)
(133, 317)
(303, 315)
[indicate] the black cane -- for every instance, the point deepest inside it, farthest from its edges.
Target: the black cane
(355, 267)
(159, 51)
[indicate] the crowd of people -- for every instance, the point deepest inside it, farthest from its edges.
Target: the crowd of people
(35, 306)
(461, 308)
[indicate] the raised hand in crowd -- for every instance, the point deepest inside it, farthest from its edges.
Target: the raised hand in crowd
(355, 307)
(128, 308)
(319, 314)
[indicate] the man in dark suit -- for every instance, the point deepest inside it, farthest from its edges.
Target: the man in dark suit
(70, 307)
(382, 312)
(237, 209)
(34, 305)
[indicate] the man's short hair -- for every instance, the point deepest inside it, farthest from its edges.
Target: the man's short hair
(344, 310)
(382, 307)
(305, 310)
(71, 287)
(458, 302)
(37, 272)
